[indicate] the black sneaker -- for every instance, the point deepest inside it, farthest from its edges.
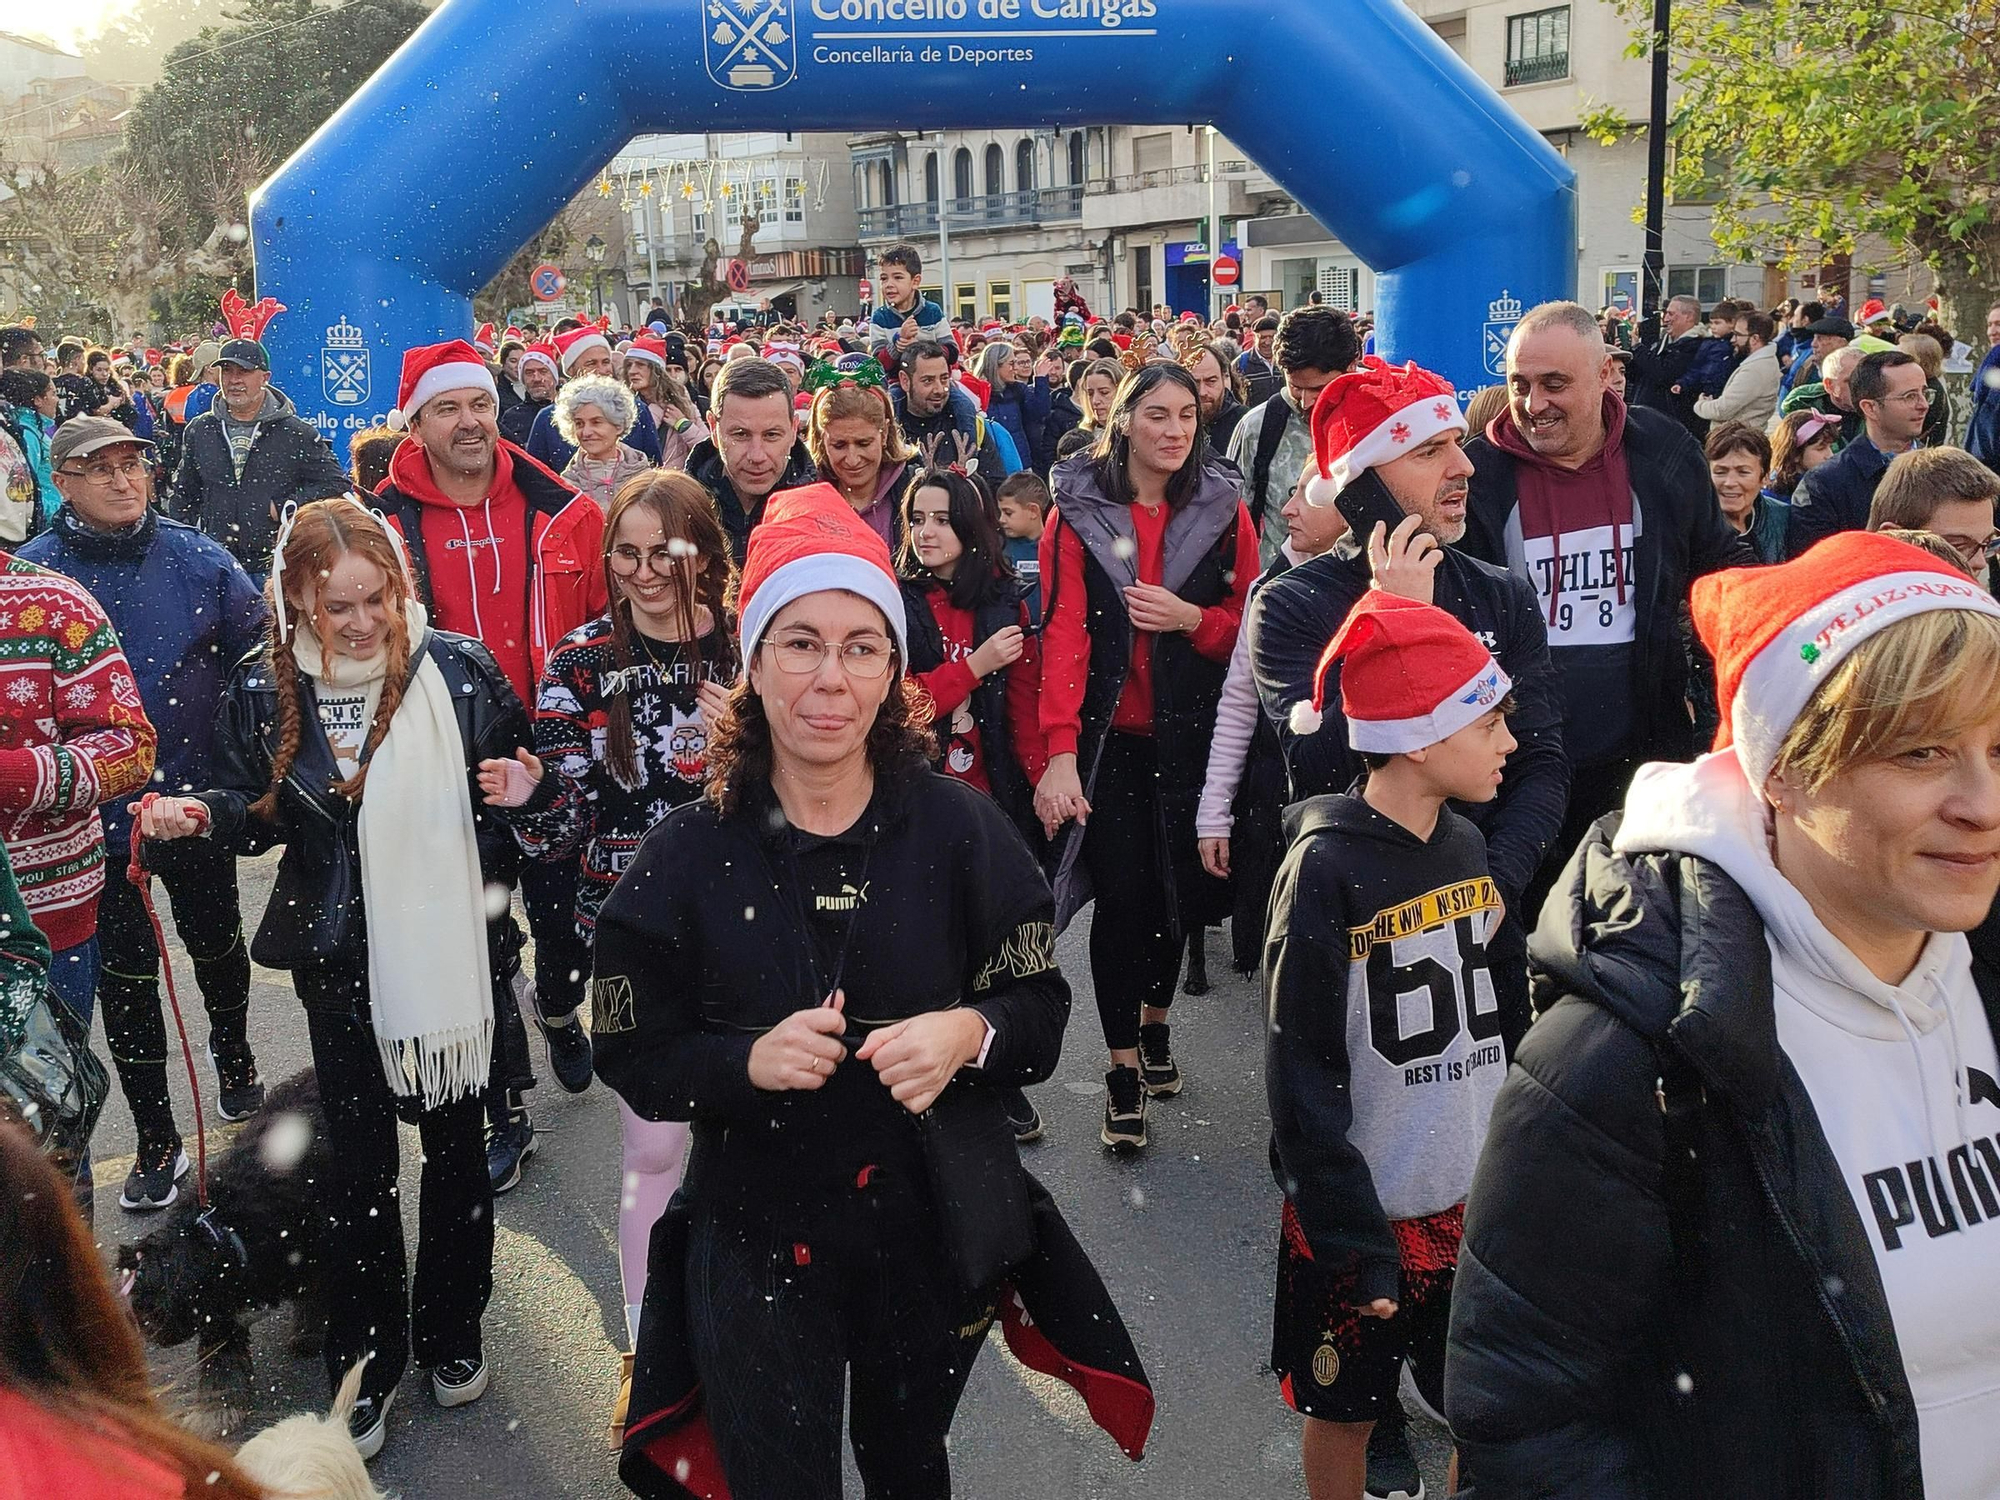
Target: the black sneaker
(1392, 1468)
(149, 1186)
(458, 1382)
(1124, 1110)
(569, 1053)
(1022, 1116)
(368, 1423)
(507, 1151)
(241, 1095)
(1162, 1075)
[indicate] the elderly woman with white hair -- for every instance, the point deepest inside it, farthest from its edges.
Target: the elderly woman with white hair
(595, 412)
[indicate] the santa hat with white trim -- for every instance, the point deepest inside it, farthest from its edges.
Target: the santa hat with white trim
(1374, 415)
(543, 354)
(650, 347)
(429, 370)
(1777, 633)
(1410, 675)
(485, 339)
(572, 346)
(810, 540)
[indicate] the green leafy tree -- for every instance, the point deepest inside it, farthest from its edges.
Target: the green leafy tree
(230, 106)
(1816, 128)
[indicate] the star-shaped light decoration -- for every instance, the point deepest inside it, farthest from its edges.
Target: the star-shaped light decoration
(646, 188)
(604, 187)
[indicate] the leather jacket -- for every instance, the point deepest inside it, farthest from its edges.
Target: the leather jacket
(316, 911)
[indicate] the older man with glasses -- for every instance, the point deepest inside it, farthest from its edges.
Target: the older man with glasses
(188, 613)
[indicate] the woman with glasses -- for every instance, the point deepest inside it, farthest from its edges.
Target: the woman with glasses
(1146, 562)
(864, 960)
(623, 718)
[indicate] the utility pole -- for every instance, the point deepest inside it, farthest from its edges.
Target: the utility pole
(944, 237)
(1653, 290)
(1214, 228)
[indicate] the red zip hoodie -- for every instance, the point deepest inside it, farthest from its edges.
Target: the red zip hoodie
(479, 559)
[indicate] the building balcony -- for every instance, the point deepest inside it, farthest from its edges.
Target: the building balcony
(1548, 68)
(899, 221)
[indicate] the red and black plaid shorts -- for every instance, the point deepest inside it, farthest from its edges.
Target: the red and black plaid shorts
(1333, 1363)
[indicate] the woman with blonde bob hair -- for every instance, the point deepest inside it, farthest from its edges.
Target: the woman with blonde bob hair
(1735, 1225)
(355, 742)
(857, 444)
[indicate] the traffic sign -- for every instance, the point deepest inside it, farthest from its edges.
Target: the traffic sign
(547, 282)
(867, 291)
(739, 277)
(1225, 270)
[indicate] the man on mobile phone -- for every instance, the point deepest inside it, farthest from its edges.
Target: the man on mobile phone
(1387, 443)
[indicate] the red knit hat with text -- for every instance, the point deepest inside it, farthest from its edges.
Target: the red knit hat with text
(1777, 633)
(1374, 415)
(810, 540)
(432, 369)
(1410, 675)
(572, 346)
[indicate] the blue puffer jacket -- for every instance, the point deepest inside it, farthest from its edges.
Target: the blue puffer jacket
(185, 612)
(1710, 371)
(1982, 434)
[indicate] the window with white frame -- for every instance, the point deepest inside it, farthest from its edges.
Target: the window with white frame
(795, 200)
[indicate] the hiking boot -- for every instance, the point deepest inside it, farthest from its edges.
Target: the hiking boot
(368, 1423)
(1124, 1110)
(459, 1382)
(615, 1432)
(150, 1185)
(1392, 1468)
(1022, 1117)
(508, 1148)
(569, 1052)
(1157, 1068)
(239, 1093)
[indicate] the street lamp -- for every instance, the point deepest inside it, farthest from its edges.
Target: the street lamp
(594, 250)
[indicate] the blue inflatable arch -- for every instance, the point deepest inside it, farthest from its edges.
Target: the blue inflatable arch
(376, 234)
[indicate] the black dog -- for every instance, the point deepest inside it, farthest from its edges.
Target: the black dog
(258, 1245)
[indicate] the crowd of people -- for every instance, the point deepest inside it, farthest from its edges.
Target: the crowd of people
(1602, 778)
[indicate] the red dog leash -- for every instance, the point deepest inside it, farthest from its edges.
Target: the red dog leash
(141, 877)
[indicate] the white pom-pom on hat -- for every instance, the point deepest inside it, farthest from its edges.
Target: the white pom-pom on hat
(396, 421)
(1304, 718)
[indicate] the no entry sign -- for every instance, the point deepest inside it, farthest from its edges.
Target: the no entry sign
(1226, 270)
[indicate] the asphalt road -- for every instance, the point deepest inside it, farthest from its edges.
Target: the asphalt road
(1184, 1236)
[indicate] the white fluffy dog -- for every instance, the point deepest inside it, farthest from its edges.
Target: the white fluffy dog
(311, 1458)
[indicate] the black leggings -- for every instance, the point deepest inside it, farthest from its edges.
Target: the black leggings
(370, 1309)
(1135, 933)
(779, 1325)
(200, 881)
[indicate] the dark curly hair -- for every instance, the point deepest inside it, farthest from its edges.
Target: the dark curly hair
(900, 744)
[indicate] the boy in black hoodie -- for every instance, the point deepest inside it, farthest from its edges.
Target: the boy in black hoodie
(1384, 1052)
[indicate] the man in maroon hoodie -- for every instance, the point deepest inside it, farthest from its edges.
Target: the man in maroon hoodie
(1608, 512)
(506, 552)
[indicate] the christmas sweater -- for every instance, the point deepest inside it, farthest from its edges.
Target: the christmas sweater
(594, 812)
(73, 733)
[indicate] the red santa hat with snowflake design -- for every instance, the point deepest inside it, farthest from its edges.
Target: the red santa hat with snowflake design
(1777, 633)
(430, 370)
(1374, 415)
(1410, 675)
(810, 540)
(572, 346)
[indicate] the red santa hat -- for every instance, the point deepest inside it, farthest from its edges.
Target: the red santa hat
(1374, 415)
(432, 369)
(1410, 675)
(543, 354)
(515, 334)
(785, 352)
(572, 346)
(651, 348)
(1874, 310)
(485, 339)
(810, 540)
(1777, 633)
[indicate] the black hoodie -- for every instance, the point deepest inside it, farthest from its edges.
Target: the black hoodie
(1384, 1050)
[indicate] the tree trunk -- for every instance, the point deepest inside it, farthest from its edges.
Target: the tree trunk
(1968, 284)
(711, 283)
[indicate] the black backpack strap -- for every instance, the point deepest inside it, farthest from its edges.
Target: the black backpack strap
(1270, 433)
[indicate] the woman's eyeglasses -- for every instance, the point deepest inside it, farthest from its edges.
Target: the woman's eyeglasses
(863, 656)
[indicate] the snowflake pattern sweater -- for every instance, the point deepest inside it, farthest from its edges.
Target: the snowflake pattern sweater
(73, 733)
(593, 811)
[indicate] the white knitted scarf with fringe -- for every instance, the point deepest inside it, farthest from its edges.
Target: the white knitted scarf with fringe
(421, 885)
